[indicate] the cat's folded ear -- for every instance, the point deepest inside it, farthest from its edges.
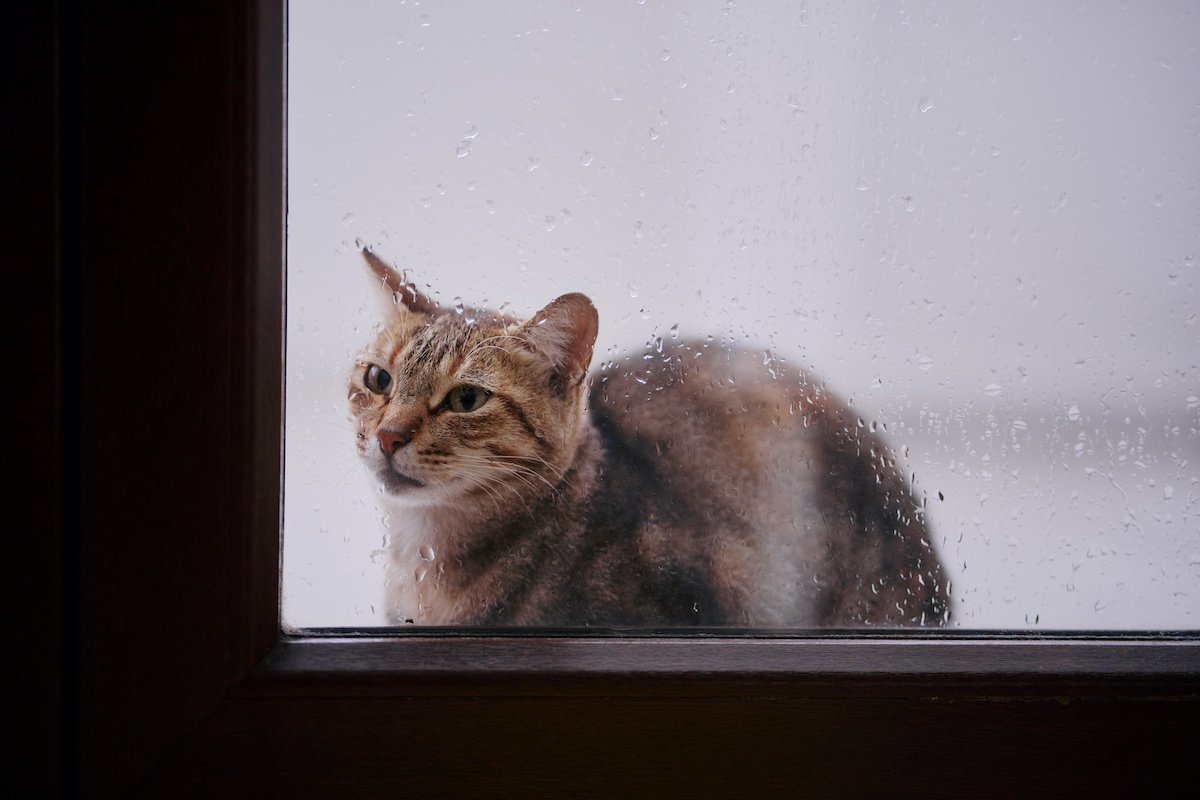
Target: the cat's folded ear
(400, 293)
(565, 332)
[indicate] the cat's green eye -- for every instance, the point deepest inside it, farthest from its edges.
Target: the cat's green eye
(377, 379)
(465, 398)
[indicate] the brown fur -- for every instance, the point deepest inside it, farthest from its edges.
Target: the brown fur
(692, 487)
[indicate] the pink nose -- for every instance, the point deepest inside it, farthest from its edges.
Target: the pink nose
(390, 441)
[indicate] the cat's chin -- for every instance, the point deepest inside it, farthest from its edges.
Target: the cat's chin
(398, 485)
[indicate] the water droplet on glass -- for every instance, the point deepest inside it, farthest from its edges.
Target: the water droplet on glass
(348, 220)
(586, 158)
(908, 202)
(463, 150)
(1168, 492)
(675, 331)
(993, 390)
(1073, 413)
(925, 363)
(924, 104)
(458, 305)
(427, 552)
(665, 55)
(653, 134)
(551, 222)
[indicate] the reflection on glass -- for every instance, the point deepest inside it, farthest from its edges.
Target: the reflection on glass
(978, 228)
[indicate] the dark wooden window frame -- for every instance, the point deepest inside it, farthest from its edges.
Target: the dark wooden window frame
(173, 678)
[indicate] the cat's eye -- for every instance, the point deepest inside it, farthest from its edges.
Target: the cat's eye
(466, 398)
(377, 379)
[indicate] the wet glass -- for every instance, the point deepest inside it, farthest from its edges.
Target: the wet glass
(979, 225)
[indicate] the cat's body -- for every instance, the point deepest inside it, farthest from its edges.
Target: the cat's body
(698, 486)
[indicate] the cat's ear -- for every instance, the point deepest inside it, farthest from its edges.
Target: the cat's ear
(402, 294)
(565, 332)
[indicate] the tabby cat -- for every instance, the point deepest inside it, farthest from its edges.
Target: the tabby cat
(695, 487)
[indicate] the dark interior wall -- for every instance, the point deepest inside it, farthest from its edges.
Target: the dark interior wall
(133, 205)
(29, 327)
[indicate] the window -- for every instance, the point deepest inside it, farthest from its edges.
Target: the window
(175, 677)
(977, 224)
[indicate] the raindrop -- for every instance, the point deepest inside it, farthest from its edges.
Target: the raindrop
(993, 390)
(665, 55)
(427, 552)
(1073, 413)
(675, 331)
(458, 305)
(1168, 492)
(908, 202)
(551, 222)
(586, 158)
(348, 220)
(653, 134)
(925, 363)
(924, 104)
(463, 150)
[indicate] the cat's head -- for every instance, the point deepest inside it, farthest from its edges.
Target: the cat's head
(470, 410)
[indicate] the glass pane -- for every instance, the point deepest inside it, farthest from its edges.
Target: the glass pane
(976, 227)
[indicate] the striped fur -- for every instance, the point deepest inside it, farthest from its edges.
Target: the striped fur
(695, 488)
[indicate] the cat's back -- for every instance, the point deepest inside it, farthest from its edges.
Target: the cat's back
(802, 511)
(716, 418)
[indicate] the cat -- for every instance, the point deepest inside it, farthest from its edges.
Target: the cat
(695, 487)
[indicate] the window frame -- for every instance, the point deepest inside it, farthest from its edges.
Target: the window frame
(240, 706)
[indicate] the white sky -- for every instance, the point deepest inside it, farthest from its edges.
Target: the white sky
(979, 222)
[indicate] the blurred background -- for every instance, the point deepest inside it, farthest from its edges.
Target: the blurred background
(979, 223)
